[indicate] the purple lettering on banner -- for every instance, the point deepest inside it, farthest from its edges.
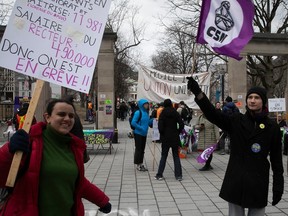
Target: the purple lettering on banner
(71, 79)
(59, 42)
(49, 35)
(85, 80)
(26, 66)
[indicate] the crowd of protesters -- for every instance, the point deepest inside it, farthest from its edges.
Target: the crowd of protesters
(218, 123)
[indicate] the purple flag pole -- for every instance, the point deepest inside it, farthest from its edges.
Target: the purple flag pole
(227, 26)
(203, 157)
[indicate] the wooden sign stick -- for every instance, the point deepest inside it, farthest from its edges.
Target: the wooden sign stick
(27, 124)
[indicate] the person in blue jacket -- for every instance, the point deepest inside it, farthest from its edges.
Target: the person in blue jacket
(141, 122)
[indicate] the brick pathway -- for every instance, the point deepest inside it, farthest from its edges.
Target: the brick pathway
(135, 193)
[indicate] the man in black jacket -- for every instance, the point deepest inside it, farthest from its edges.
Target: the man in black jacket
(253, 136)
(169, 136)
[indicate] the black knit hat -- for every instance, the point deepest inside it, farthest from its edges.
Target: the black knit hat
(228, 99)
(260, 91)
(167, 103)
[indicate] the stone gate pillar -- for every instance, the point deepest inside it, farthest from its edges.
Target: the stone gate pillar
(105, 85)
(237, 81)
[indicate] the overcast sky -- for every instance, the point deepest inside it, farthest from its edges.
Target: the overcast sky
(150, 12)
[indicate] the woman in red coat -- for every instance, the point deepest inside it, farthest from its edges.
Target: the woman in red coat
(51, 178)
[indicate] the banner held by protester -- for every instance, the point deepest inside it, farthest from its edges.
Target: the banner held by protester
(57, 42)
(227, 26)
(157, 86)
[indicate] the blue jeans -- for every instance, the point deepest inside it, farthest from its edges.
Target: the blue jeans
(176, 159)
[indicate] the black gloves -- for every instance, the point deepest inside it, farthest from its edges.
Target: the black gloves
(193, 86)
(106, 209)
(19, 142)
(276, 197)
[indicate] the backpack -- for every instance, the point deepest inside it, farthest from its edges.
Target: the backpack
(184, 114)
(132, 115)
(230, 110)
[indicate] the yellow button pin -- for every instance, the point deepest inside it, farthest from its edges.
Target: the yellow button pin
(262, 126)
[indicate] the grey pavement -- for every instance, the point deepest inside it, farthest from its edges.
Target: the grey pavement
(134, 193)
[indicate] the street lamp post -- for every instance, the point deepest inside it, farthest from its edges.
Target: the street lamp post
(222, 86)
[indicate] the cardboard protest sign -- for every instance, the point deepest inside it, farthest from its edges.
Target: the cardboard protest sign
(55, 41)
(276, 105)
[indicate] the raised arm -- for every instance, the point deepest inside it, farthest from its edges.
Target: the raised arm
(207, 107)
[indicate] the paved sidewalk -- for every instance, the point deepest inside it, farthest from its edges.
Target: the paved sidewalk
(135, 193)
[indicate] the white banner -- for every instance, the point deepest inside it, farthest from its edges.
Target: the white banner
(55, 41)
(156, 86)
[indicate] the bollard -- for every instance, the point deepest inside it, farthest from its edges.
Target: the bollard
(115, 136)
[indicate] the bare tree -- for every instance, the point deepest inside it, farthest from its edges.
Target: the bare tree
(271, 16)
(178, 51)
(123, 21)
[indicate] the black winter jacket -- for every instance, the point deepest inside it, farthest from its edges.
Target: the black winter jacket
(246, 181)
(168, 128)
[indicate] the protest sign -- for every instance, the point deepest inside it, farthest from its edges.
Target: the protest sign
(155, 132)
(156, 86)
(55, 41)
(276, 105)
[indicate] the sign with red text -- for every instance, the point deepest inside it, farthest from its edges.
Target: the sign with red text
(156, 86)
(55, 41)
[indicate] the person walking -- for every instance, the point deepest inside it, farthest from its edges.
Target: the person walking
(170, 125)
(254, 136)
(184, 112)
(19, 117)
(208, 135)
(51, 178)
(160, 109)
(90, 112)
(123, 110)
(141, 122)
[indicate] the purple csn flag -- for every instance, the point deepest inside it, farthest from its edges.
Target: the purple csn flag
(203, 157)
(226, 25)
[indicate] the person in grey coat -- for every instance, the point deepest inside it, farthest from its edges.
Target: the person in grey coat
(253, 136)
